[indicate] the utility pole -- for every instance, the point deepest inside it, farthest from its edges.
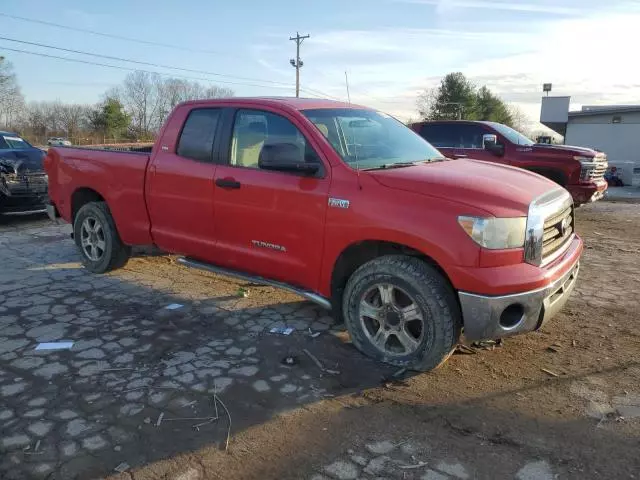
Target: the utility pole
(297, 63)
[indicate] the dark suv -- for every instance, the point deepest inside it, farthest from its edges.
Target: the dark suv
(23, 182)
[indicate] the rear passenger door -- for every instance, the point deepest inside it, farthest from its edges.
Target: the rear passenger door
(180, 187)
(439, 135)
(458, 140)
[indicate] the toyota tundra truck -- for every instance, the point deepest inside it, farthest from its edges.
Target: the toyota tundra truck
(340, 204)
(579, 170)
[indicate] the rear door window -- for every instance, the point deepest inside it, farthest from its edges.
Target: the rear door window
(439, 135)
(198, 134)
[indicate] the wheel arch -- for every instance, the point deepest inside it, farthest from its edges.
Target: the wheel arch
(359, 253)
(80, 197)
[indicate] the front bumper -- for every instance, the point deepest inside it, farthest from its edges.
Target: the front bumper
(22, 204)
(491, 317)
(589, 192)
(24, 195)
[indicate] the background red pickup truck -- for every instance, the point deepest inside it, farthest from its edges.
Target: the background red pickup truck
(341, 204)
(579, 170)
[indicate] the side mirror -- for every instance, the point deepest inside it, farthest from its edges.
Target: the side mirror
(490, 143)
(285, 157)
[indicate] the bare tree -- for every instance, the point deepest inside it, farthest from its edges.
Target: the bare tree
(173, 91)
(426, 101)
(218, 92)
(73, 117)
(520, 121)
(36, 118)
(140, 95)
(11, 98)
(146, 97)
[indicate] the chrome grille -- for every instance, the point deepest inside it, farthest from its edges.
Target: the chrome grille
(597, 172)
(550, 225)
(25, 183)
(34, 182)
(558, 230)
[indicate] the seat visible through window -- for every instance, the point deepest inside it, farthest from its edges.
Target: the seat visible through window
(255, 129)
(249, 141)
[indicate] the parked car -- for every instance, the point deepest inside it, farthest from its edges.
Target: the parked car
(23, 181)
(58, 141)
(579, 170)
(340, 204)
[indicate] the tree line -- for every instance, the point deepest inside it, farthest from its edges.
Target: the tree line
(136, 109)
(457, 98)
(132, 111)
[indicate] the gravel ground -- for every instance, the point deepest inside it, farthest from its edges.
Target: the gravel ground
(152, 390)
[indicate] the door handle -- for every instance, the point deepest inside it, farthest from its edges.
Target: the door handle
(229, 183)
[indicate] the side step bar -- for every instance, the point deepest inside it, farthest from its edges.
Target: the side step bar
(314, 297)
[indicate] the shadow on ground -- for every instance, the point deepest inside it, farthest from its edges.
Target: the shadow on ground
(134, 361)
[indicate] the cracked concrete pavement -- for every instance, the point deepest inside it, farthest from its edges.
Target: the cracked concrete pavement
(138, 385)
(132, 358)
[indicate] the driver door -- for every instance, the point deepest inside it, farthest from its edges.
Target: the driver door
(269, 223)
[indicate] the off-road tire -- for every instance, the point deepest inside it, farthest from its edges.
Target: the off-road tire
(116, 253)
(430, 291)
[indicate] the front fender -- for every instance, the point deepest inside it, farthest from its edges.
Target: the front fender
(425, 224)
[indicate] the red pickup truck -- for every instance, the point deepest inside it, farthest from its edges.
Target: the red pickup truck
(579, 170)
(340, 204)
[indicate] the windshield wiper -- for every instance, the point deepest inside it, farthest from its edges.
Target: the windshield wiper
(386, 166)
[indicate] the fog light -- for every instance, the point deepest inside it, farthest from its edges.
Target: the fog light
(511, 316)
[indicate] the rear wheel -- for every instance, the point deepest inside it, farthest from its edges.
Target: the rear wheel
(401, 311)
(98, 240)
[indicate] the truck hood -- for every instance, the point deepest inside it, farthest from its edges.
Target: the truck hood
(565, 150)
(21, 161)
(500, 190)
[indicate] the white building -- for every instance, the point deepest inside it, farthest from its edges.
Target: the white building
(613, 129)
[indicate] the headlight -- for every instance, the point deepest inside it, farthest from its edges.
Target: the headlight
(495, 233)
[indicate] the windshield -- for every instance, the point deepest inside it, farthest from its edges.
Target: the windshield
(8, 141)
(512, 135)
(367, 139)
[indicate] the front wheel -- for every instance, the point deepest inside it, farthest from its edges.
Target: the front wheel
(400, 310)
(97, 238)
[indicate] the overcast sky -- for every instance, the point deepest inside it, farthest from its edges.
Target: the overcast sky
(391, 49)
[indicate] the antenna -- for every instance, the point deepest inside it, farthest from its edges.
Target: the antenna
(355, 145)
(346, 80)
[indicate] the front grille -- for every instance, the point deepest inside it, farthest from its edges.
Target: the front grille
(558, 230)
(597, 172)
(28, 184)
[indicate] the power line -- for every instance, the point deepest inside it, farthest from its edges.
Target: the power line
(158, 65)
(120, 67)
(110, 35)
(139, 62)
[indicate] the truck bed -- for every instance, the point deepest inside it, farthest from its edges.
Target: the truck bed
(117, 177)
